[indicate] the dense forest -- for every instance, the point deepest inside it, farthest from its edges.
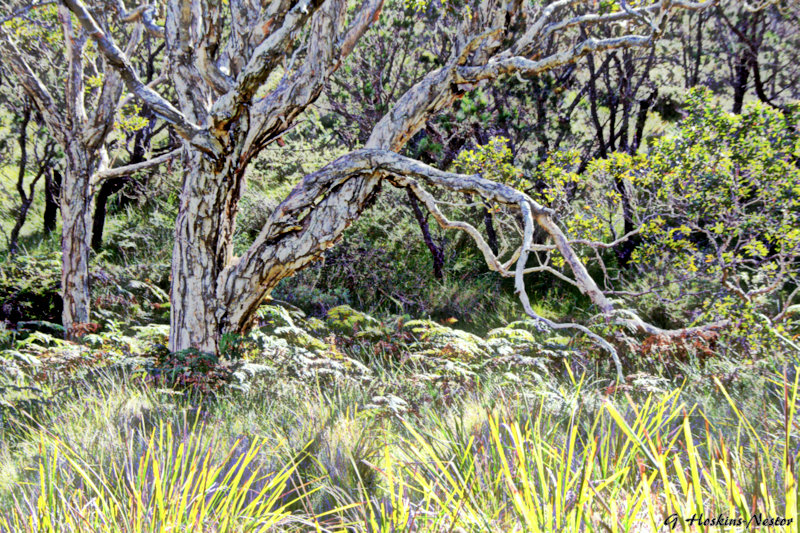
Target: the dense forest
(389, 266)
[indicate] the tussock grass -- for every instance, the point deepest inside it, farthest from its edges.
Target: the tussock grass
(123, 457)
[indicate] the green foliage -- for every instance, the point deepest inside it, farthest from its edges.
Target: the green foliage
(129, 119)
(29, 288)
(196, 372)
(493, 160)
(715, 212)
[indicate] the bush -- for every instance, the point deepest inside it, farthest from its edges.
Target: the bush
(29, 288)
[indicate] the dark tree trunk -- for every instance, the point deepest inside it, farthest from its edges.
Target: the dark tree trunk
(107, 189)
(52, 192)
(22, 215)
(491, 234)
(437, 254)
(742, 73)
(641, 120)
(25, 201)
(695, 77)
(112, 186)
(598, 127)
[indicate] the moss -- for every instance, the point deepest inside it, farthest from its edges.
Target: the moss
(436, 340)
(298, 337)
(345, 319)
(515, 336)
(272, 317)
(316, 326)
(420, 326)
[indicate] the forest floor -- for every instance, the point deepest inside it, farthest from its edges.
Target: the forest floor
(353, 423)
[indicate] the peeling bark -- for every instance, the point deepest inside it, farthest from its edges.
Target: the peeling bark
(224, 125)
(76, 235)
(81, 130)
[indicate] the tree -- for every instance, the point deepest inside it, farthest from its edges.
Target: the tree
(387, 68)
(38, 154)
(717, 210)
(79, 103)
(221, 64)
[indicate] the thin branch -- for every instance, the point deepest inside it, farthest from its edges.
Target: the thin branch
(24, 10)
(586, 242)
(136, 167)
(145, 14)
(493, 69)
(34, 88)
(196, 135)
(162, 78)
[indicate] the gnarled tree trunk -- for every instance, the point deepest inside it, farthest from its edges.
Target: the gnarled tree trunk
(203, 247)
(225, 120)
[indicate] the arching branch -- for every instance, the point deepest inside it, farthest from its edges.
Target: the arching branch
(146, 14)
(126, 170)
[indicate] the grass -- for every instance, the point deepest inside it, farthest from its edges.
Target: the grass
(117, 454)
(10, 202)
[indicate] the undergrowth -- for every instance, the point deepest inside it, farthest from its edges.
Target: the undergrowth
(116, 450)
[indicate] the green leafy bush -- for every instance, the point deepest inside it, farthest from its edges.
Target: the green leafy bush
(29, 288)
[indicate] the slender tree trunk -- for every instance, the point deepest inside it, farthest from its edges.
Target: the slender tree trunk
(593, 104)
(436, 252)
(698, 55)
(107, 189)
(641, 120)
(22, 216)
(491, 234)
(52, 192)
(76, 235)
(112, 186)
(742, 73)
(24, 199)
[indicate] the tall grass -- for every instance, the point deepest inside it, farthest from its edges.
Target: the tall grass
(495, 461)
(171, 481)
(621, 470)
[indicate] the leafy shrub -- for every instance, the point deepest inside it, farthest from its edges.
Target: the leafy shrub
(29, 288)
(193, 371)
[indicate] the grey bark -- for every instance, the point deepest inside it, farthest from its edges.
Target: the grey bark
(82, 134)
(224, 124)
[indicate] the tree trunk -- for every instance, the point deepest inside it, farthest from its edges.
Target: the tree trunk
(742, 73)
(436, 252)
(22, 216)
(52, 192)
(110, 187)
(24, 199)
(107, 189)
(203, 248)
(76, 235)
(491, 234)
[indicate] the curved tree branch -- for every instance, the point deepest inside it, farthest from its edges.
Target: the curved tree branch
(126, 170)
(146, 14)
